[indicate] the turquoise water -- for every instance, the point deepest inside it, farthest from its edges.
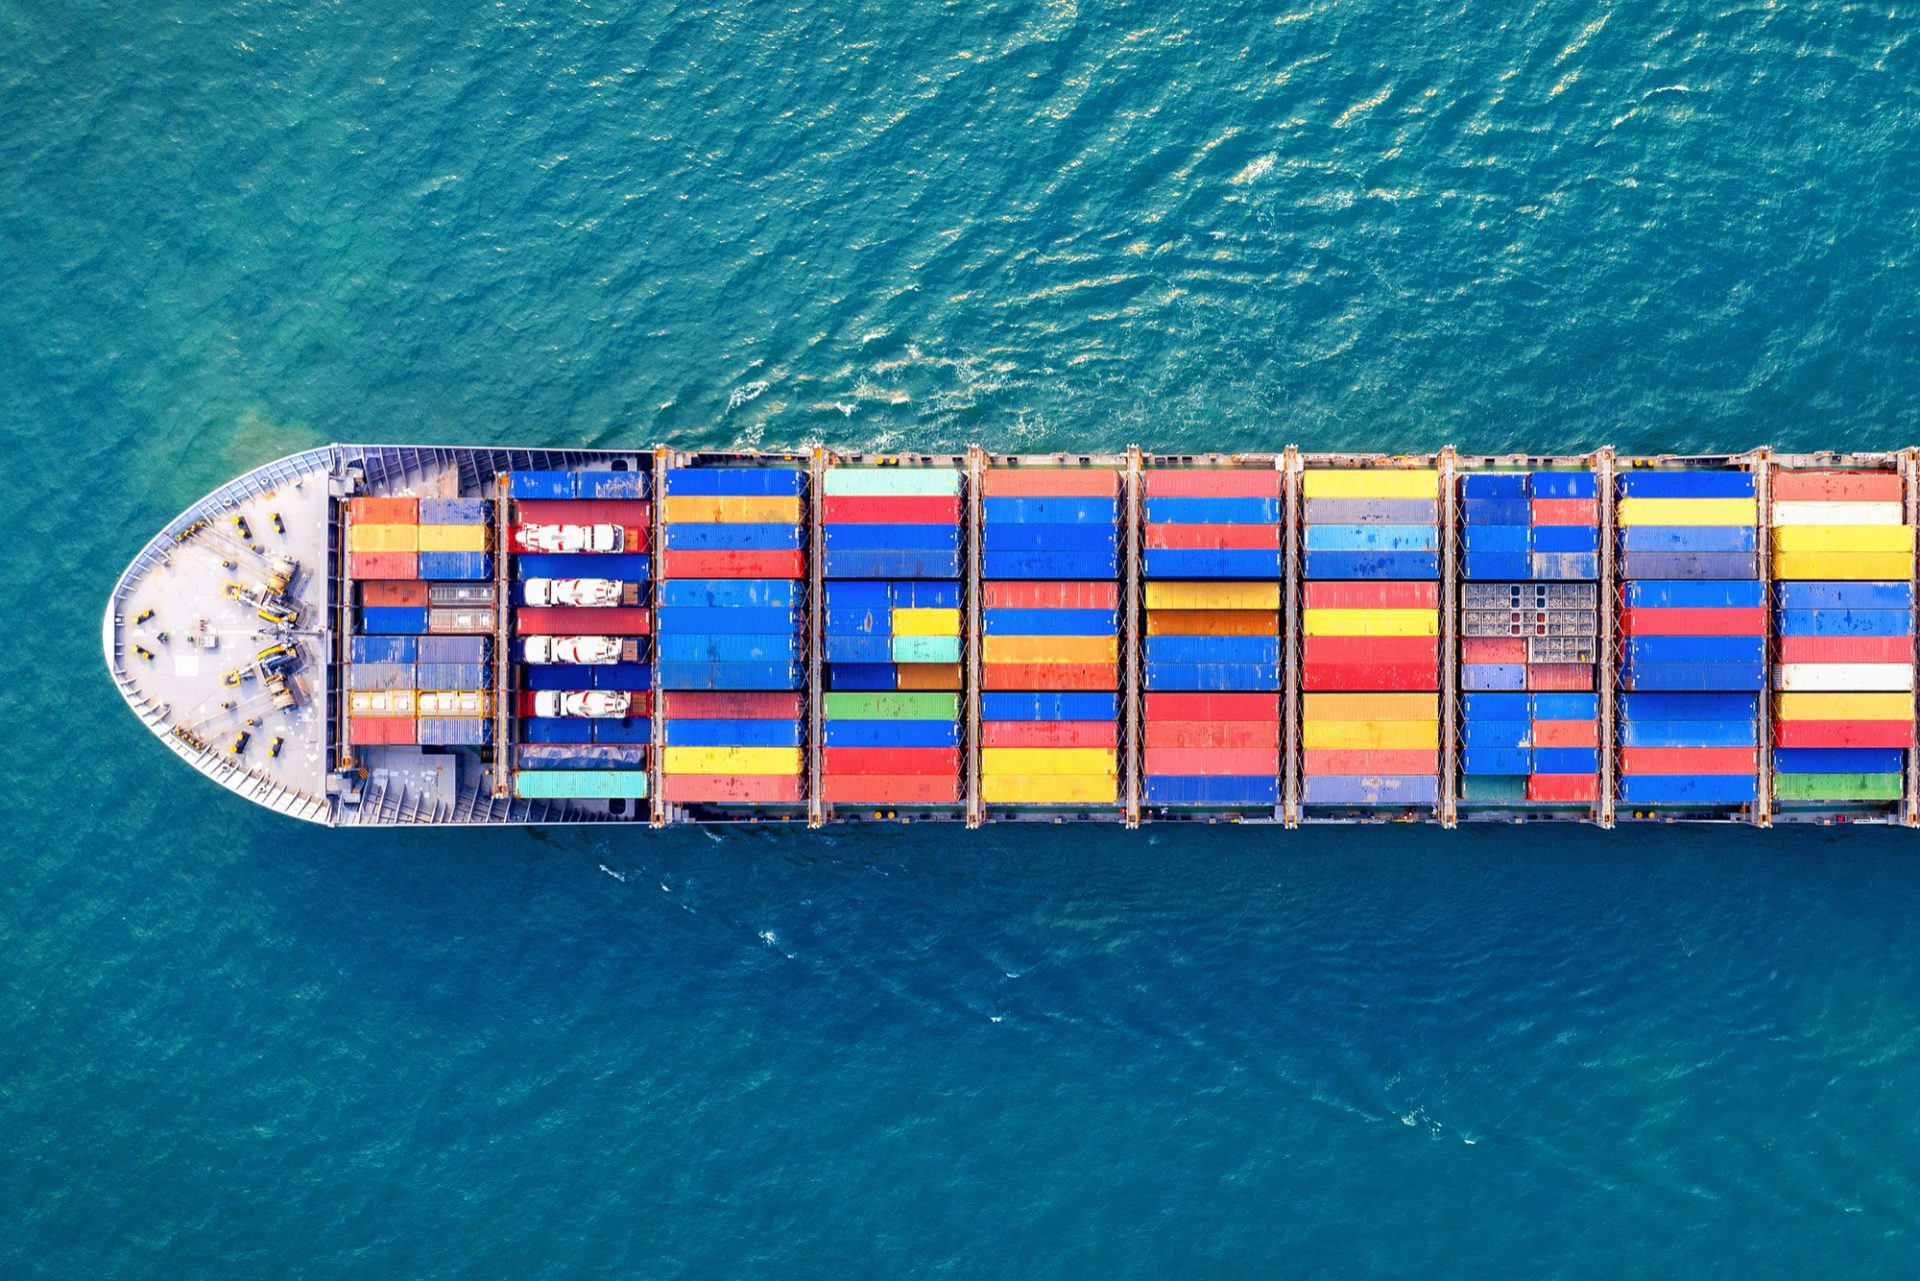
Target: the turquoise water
(231, 1046)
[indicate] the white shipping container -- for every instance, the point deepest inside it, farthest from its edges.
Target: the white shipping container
(1836, 513)
(380, 702)
(456, 703)
(1843, 677)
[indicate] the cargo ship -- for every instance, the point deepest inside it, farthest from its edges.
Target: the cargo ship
(387, 636)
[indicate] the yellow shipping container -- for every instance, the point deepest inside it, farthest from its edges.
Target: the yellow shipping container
(1688, 511)
(708, 509)
(1851, 567)
(732, 760)
(1371, 707)
(453, 538)
(1844, 707)
(1049, 649)
(1348, 735)
(1212, 622)
(1213, 596)
(926, 622)
(1383, 483)
(1050, 789)
(1371, 622)
(1843, 538)
(1013, 761)
(383, 538)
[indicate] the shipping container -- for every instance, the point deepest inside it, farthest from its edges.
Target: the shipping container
(756, 481)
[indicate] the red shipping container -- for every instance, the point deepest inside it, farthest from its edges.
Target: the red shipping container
(1580, 789)
(1049, 676)
(626, 512)
(1049, 734)
(736, 789)
(1842, 733)
(1240, 762)
(890, 760)
(560, 620)
(1346, 595)
(1640, 620)
(930, 509)
(1846, 649)
(734, 705)
(384, 511)
(1023, 595)
(1835, 487)
(1369, 677)
(372, 565)
(1689, 760)
(401, 593)
(1216, 482)
(1392, 650)
(636, 539)
(1347, 760)
(1566, 511)
(733, 564)
(886, 789)
(373, 731)
(1212, 537)
(1566, 733)
(1212, 707)
(1212, 734)
(1560, 677)
(1050, 482)
(1493, 649)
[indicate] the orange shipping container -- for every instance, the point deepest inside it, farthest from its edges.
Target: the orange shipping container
(927, 676)
(1050, 482)
(1325, 760)
(384, 511)
(1212, 622)
(1049, 676)
(1835, 487)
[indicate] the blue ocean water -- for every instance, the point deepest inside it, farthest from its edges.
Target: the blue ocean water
(231, 1046)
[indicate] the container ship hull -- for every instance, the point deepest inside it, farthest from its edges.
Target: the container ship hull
(366, 635)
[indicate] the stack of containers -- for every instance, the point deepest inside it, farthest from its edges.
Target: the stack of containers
(1049, 642)
(730, 609)
(586, 757)
(456, 539)
(1370, 648)
(1213, 566)
(891, 558)
(383, 538)
(380, 690)
(1843, 701)
(1530, 728)
(1693, 636)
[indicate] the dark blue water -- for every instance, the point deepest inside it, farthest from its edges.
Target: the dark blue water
(235, 1047)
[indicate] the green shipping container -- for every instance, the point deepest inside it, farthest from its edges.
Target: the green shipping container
(926, 649)
(857, 705)
(1837, 787)
(1493, 787)
(892, 482)
(580, 785)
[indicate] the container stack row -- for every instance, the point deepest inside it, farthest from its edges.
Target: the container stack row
(1843, 671)
(731, 607)
(582, 622)
(420, 567)
(891, 561)
(1693, 638)
(1370, 637)
(1213, 565)
(1049, 636)
(1529, 649)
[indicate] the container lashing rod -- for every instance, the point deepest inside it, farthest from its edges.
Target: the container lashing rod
(1609, 604)
(1290, 589)
(660, 813)
(817, 810)
(336, 669)
(976, 474)
(1910, 473)
(1130, 736)
(503, 718)
(1449, 808)
(1763, 540)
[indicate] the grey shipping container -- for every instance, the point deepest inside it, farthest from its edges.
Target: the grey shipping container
(1562, 649)
(455, 511)
(451, 676)
(460, 593)
(1371, 511)
(1542, 622)
(456, 622)
(583, 756)
(380, 676)
(1530, 596)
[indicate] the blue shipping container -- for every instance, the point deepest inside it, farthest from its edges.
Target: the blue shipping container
(866, 537)
(740, 647)
(581, 756)
(456, 566)
(1563, 484)
(1377, 538)
(1230, 562)
(1566, 760)
(1838, 760)
(1214, 649)
(1845, 622)
(1713, 565)
(732, 536)
(1220, 677)
(705, 620)
(743, 482)
(1051, 622)
(1715, 594)
(1212, 511)
(636, 730)
(1685, 538)
(1845, 595)
(1212, 789)
(613, 484)
(1036, 537)
(733, 733)
(393, 620)
(1077, 705)
(1493, 676)
(1050, 511)
(692, 674)
(456, 511)
(1692, 676)
(729, 593)
(1496, 760)
(542, 484)
(556, 729)
(1371, 789)
(455, 649)
(1386, 566)
(862, 676)
(942, 733)
(1687, 484)
(384, 649)
(1051, 565)
(891, 564)
(630, 677)
(1688, 789)
(1493, 485)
